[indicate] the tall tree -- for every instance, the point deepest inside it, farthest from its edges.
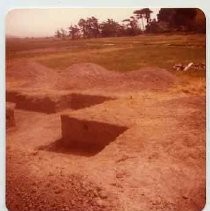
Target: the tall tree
(142, 14)
(200, 21)
(63, 33)
(178, 18)
(89, 27)
(92, 27)
(58, 34)
(74, 32)
(132, 26)
(111, 28)
(83, 26)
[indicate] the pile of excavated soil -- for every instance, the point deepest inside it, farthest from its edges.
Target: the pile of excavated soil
(29, 74)
(86, 76)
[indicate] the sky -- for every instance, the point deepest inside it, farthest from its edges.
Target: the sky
(44, 22)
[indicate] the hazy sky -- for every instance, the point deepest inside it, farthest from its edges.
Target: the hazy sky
(44, 22)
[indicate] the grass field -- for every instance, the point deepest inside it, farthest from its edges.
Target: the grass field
(120, 54)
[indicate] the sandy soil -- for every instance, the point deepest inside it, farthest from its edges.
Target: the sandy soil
(157, 163)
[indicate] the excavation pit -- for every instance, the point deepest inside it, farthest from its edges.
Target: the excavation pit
(11, 96)
(88, 135)
(54, 102)
(10, 115)
(79, 101)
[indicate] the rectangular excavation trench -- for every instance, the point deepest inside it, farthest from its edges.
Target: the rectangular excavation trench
(88, 135)
(10, 115)
(53, 104)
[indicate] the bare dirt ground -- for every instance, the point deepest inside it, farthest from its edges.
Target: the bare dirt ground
(157, 163)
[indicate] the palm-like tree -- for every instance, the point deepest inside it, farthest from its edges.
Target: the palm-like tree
(83, 26)
(144, 13)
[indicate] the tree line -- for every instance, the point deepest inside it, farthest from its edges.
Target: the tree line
(168, 20)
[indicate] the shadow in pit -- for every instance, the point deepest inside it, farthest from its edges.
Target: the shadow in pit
(53, 104)
(84, 138)
(59, 147)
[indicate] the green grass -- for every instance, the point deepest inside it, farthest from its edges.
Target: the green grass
(125, 53)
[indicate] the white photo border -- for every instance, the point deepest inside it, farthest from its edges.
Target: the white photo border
(7, 5)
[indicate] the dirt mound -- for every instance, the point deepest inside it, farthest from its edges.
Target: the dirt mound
(29, 74)
(151, 78)
(85, 76)
(88, 70)
(88, 75)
